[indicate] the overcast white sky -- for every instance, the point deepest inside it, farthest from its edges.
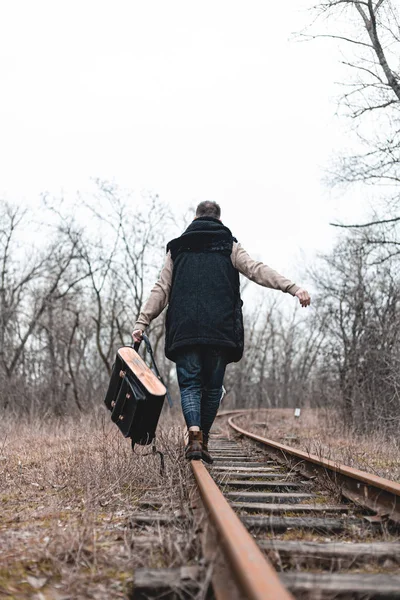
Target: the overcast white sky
(193, 100)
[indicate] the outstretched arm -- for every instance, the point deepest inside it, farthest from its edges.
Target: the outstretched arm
(157, 300)
(263, 275)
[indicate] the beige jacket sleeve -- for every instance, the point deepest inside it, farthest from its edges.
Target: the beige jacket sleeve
(254, 270)
(259, 272)
(159, 296)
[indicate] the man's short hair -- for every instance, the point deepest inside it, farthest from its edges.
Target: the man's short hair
(208, 208)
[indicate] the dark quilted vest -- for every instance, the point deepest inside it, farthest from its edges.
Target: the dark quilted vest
(205, 307)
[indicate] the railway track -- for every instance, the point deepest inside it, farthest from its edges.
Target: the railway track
(278, 524)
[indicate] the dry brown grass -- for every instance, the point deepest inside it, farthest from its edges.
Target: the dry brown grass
(68, 491)
(321, 432)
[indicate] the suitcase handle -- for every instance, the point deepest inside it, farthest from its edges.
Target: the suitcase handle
(157, 372)
(136, 345)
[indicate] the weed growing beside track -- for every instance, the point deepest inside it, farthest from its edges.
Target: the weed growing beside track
(321, 432)
(68, 491)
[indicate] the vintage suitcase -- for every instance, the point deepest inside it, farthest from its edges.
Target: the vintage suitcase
(135, 395)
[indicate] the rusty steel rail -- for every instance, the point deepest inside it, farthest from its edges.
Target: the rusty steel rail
(376, 493)
(255, 576)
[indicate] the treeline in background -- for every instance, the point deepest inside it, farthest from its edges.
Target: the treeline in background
(73, 280)
(69, 301)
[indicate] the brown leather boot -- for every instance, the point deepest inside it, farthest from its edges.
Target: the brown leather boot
(194, 448)
(206, 456)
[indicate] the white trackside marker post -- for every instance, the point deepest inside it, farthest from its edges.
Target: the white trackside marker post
(297, 412)
(223, 394)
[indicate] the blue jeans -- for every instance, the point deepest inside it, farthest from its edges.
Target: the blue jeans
(200, 371)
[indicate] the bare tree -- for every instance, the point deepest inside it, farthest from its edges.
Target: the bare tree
(53, 270)
(359, 309)
(122, 253)
(68, 304)
(34, 284)
(281, 356)
(369, 33)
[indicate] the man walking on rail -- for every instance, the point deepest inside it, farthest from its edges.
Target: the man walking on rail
(204, 325)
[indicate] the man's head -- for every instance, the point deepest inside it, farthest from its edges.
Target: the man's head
(208, 209)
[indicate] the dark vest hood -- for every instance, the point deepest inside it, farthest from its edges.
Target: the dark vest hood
(204, 304)
(204, 234)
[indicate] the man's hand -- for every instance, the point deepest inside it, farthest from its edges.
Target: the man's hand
(304, 297)
(137, 336)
